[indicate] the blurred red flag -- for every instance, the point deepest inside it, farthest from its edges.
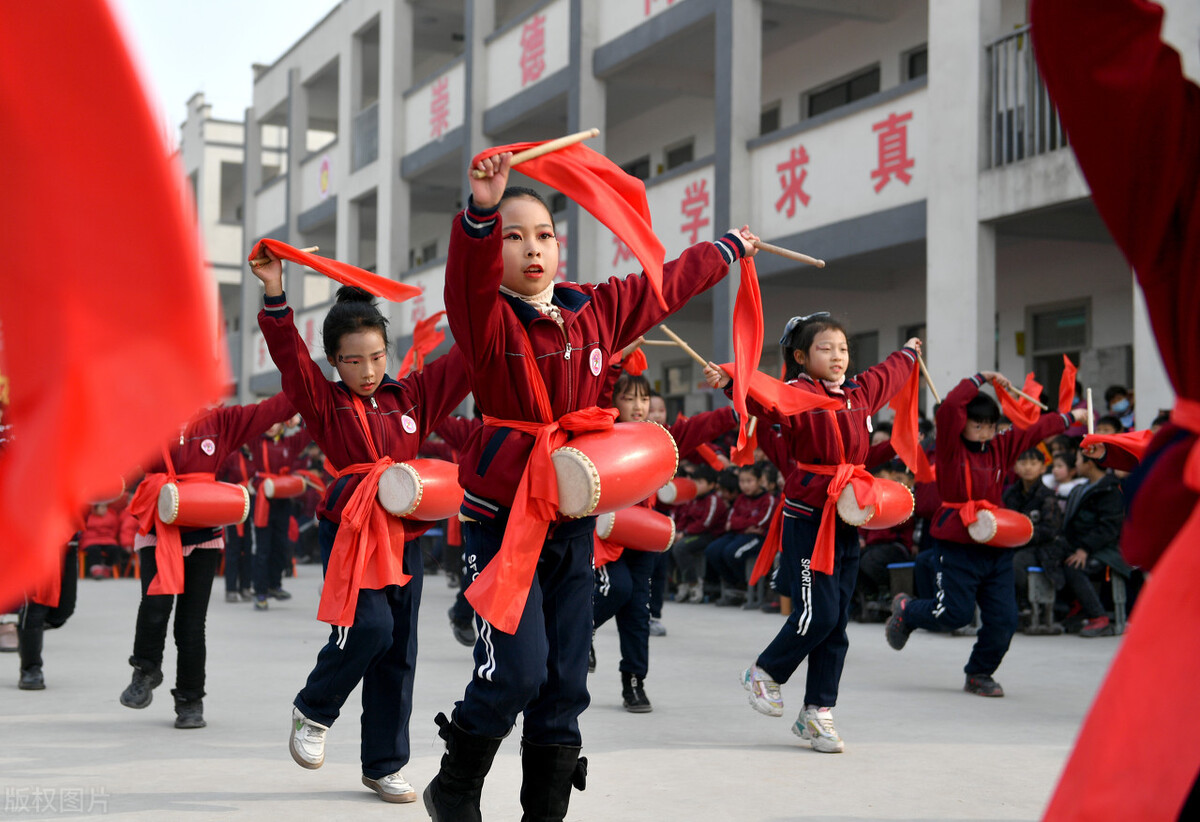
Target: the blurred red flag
(1066, 386)
(108, 317)
(1021, 411)
(425, 339)
(906, 429)
(343, 273)
(747, 351)
(616, 199)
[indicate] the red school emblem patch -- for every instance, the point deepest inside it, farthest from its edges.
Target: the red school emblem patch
(408, 424)
(208, 447)
(596, 361)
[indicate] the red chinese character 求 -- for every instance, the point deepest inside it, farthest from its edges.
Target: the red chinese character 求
(792, 182)
(533, 49)
(695, 200)
(439, 107)
(893, 150)
(622, 252)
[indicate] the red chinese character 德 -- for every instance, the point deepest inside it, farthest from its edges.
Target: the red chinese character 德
(439, 107)
(622, 252)
(533, 49)
(695, 200)
(791, 182)
(893, 150)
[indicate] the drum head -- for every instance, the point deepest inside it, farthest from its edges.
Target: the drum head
(668, 493)
(984, 528)
(850, 512)
(168, 503)
(578, 482)
(604, 524)
(400, 489)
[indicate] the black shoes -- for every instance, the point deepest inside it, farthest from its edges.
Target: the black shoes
(464, 632)
(32, 679)
(982, 685)
(189, 713)
(140, 691)
(633, 694)
(896, 630)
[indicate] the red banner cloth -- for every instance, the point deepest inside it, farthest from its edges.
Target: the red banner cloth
(1133, 443)
(1019, 410)
(344, 273)
(1157, 659)
(616, 199)
(906, 430)
(426, 338)
(1066, 386)
(103, 278)
(635, 363)
(747, 351)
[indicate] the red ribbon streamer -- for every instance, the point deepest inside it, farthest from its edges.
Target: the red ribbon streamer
(344, 273)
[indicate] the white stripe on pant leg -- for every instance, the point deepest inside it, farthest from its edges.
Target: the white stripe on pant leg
(805, 619)
(488, 667)
(940, 608)
(343, 635)
(605, 582)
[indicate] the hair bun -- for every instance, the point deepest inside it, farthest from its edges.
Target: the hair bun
(354, 294)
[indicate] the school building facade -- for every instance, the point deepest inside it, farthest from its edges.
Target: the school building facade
(909, 143)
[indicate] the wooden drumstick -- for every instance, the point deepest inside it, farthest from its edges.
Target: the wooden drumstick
(1023, 395)
(928, 379)
(787, 252)
(257, 261)
(679, 342)
(660, 342)
(544, 148)
(1091, 420)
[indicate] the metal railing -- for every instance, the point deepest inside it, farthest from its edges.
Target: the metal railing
(1024, 122)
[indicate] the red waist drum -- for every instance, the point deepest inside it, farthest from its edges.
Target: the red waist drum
(894, 506)
(677, 491)
(609, 470)
(1001, 528)
(639, 528)
(109, 495)
(203, 504)
(421, 489)
(283, 486)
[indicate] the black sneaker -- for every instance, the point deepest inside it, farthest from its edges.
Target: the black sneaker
(896, 630)
(464, 632)
(633, 695)
(189, 713)
(982, 685)
(278, 593)
(140, 692)
(32, 679)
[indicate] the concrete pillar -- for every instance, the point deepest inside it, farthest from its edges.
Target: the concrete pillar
(586, 107)
(393, 201)
(960, 295)
(251, 233)
(480, 21)
(738, 109)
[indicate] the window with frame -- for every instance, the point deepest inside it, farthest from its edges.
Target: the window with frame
(680, 154)
(916, 63)
(1055, 331)
(843, 92)
(639, 168)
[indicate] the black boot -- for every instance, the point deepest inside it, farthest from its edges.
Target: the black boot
(32, 679)
(29, 640)
(189, 713)
(633, 694)
(141, 689)
(453, 795)
(547, 774)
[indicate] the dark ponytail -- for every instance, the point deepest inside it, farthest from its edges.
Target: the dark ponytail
(354, 311)
(798, 335)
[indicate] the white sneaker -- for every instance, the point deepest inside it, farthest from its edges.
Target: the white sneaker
(816, 726)
(307, 742)
(682, 591)
(391, 788)
(764, 691)
(657, 628)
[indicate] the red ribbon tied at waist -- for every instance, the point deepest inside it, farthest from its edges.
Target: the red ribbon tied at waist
(499, 593)
(168, 552)
(368, 551)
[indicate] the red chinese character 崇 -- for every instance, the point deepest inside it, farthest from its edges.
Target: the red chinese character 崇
(792, 182)
(622, 252)
(439, 107)
(695, 200)
(893, 150)
(533, 49)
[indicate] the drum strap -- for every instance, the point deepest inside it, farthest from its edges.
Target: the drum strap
(168, 550)
(968, 511)
(365, 528)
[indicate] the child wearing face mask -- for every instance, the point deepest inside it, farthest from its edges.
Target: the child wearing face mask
(972, 461)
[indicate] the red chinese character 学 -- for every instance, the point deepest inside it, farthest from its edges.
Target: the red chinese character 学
(622, 252)
(695, 200)
(650, 4)
(792, 182)
(533, 49)
(893, 150)
(439, 107)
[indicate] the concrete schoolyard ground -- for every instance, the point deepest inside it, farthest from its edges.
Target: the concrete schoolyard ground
(917, 747)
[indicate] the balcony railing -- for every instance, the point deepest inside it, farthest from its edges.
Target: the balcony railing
(1024, 122)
